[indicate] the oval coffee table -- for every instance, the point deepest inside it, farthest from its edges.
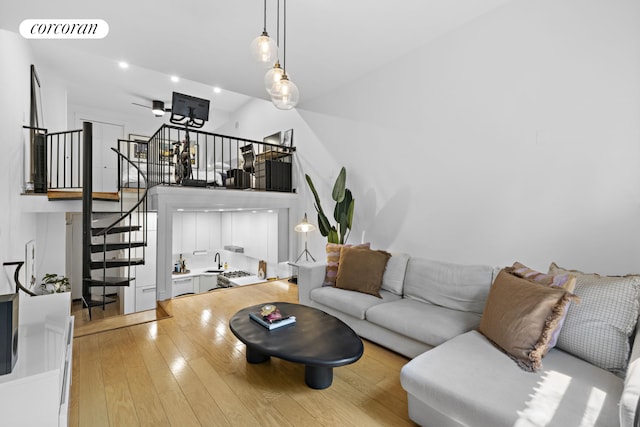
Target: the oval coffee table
(318, 340)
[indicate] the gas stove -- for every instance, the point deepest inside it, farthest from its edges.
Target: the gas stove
(225, 279)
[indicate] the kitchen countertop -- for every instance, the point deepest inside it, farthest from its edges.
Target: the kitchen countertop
(240, 281)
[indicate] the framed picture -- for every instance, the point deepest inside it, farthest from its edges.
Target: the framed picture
(273, 139)
(140, 144)
(193, 154)
(31, 280)
(287, 138)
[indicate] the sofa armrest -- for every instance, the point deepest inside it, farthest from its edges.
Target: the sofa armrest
(631, 391)
(310, 276)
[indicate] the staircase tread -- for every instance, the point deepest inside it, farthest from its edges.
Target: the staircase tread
(97, 302)
(110, 281)
(97, 247)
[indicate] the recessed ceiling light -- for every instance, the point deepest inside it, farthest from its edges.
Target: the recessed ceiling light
(175, 79)
(123, 65)
(217, 89)
(180, 210)
(220, 210)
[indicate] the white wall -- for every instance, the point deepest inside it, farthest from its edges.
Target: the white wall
(16, 228)
(515, 137)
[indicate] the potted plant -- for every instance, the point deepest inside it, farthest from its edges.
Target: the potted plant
(342, 213)
(53, 283)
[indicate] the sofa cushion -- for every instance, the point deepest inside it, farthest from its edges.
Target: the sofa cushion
(459, 287)
(333, 261)
(469, 380)
(564, 281)
(361, 270)
(520, 317)
(349, 302)
(424, 322)
(599, 329)
(393, 279)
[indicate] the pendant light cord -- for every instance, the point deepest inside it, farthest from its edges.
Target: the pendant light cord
(264, 28)
(284, 41)
(278, 26)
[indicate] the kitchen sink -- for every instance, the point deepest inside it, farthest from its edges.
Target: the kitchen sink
(214, 271)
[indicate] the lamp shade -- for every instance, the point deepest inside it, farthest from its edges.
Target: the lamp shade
(304, 226)
(264, 49)
(285, 94)
(273, 76)
(158, 108)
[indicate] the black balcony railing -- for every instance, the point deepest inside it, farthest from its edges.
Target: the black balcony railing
(213, 160)
(209, 160)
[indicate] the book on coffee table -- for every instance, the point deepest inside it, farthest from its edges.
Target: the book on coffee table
(272, 324)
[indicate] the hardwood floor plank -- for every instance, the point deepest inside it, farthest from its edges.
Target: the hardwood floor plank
(116, 385)
(232, 407)
(146, 400)
(190, 370)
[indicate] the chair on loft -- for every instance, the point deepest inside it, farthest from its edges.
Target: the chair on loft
(249, 158)
(241, 178)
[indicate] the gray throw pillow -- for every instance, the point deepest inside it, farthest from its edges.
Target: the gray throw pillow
(600, 327)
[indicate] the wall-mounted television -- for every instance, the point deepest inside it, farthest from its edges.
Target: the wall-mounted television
(189, 110)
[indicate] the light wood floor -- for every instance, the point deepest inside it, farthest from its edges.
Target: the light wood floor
(190, 370)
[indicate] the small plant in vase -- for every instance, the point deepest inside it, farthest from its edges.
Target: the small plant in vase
(53, 283)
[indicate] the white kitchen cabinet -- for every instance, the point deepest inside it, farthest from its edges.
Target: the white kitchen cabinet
(145, 297)
(208, 282)
(177, 233)
(262, 234)
(184, 232)
(182, 286)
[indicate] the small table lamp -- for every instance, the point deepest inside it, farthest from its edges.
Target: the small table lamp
(305, 227)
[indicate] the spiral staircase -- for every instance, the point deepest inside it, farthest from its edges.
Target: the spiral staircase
(112, 242)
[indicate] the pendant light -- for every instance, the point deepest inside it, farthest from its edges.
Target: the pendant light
(284, 93)
(263, 48)
(275, 73)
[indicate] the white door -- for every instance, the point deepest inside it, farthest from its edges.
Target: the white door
(105, 160)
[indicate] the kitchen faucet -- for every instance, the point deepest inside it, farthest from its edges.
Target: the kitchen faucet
(217, 258)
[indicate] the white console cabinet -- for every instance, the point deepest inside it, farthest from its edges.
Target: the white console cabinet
(36, 392)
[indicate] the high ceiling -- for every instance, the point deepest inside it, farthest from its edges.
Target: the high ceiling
(330, 43)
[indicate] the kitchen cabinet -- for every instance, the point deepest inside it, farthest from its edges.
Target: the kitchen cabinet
(184, 232)
(208, 282)
(182, 286)
(145, 298)
(195, 231)
(262, 234)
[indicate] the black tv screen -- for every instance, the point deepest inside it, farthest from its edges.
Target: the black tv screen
(189, 106)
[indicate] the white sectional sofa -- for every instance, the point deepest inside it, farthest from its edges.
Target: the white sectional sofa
(430, 312)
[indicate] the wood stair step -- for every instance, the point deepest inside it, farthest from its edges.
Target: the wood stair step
(77, 195)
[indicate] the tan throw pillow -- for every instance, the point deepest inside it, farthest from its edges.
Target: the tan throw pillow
(333, 261)
(564, 281)
(520, 316)
(361, 270)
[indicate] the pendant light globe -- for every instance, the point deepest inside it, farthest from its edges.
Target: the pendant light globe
(285, 94)
(264, 50)
(273, 76)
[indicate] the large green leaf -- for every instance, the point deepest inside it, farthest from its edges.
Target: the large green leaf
(315, 193)
(339, 186)
(333, 236)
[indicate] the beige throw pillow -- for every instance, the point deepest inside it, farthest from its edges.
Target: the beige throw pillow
(361, 270)
(520, 316)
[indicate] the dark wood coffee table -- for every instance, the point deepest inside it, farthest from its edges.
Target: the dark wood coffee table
(318, 340)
